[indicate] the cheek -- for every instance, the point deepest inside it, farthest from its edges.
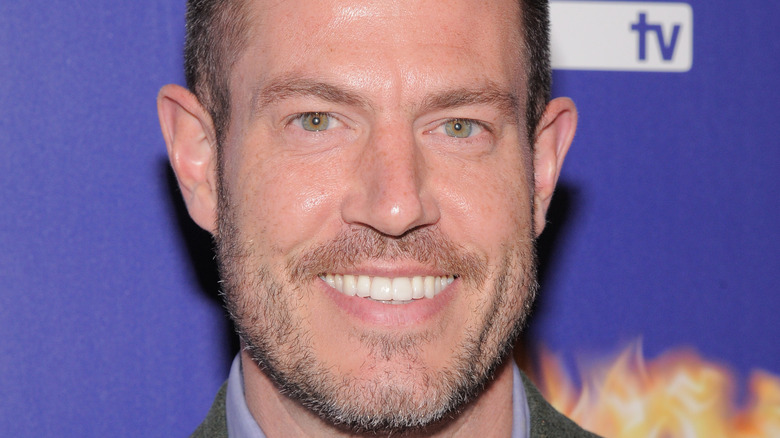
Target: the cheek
(282, 204)
(487, 204)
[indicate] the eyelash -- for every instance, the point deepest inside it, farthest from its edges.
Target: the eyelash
(300, 116)
(482, 125)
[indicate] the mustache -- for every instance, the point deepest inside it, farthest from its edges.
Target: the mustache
(427, 246)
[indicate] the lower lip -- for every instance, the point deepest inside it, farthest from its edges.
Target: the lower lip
(391, 315)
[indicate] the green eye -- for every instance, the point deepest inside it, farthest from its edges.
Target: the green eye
(315, 121)
(458, 128)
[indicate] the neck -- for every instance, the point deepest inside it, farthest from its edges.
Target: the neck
(489, 415)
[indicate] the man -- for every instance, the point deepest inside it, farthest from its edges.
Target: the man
(374, 174)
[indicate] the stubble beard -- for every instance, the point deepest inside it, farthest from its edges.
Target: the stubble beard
(262, 305)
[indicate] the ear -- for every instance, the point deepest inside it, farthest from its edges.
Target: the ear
(554, 135)
(189, 137)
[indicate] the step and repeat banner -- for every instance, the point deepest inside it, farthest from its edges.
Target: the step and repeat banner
(660, 263)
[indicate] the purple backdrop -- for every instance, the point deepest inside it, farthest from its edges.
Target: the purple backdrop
(665, 225)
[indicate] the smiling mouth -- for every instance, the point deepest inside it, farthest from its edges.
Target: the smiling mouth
(396, 290)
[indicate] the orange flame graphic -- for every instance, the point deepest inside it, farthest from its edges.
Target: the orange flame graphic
(676, 395)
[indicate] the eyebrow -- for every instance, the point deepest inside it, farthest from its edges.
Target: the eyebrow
(295, 86)
(489, 94)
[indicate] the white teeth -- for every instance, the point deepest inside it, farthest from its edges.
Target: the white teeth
(390, 290)
(350, 285)
(418, 288)
(402, 289)
(430, 291)
(363, 286)
(381, 289)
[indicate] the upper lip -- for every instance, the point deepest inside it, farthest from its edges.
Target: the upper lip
(392, 269)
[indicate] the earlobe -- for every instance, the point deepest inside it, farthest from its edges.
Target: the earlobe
(189, 137)
(554, 135)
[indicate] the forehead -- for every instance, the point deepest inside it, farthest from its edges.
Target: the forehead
(402, 45)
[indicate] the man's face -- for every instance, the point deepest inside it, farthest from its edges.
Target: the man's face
(377, 148)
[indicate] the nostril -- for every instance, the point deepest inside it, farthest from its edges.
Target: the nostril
(388, 215)
(387, 192)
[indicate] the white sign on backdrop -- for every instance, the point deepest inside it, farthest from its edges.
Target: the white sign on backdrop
(624, 36)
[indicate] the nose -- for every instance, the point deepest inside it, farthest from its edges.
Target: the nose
(390, 190)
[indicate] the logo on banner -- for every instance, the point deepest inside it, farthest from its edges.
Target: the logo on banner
(623, 36)
(642, 27)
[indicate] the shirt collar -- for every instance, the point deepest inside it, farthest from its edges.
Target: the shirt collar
(241, 424)
(521, 416)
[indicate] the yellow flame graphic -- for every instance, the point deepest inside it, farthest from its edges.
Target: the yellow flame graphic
(676, 395)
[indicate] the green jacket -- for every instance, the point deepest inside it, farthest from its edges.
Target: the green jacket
(546, 422)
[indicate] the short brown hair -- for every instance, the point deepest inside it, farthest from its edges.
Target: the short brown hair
(216, 35)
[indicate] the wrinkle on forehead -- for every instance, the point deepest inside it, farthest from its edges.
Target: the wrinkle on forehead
(299, 85)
